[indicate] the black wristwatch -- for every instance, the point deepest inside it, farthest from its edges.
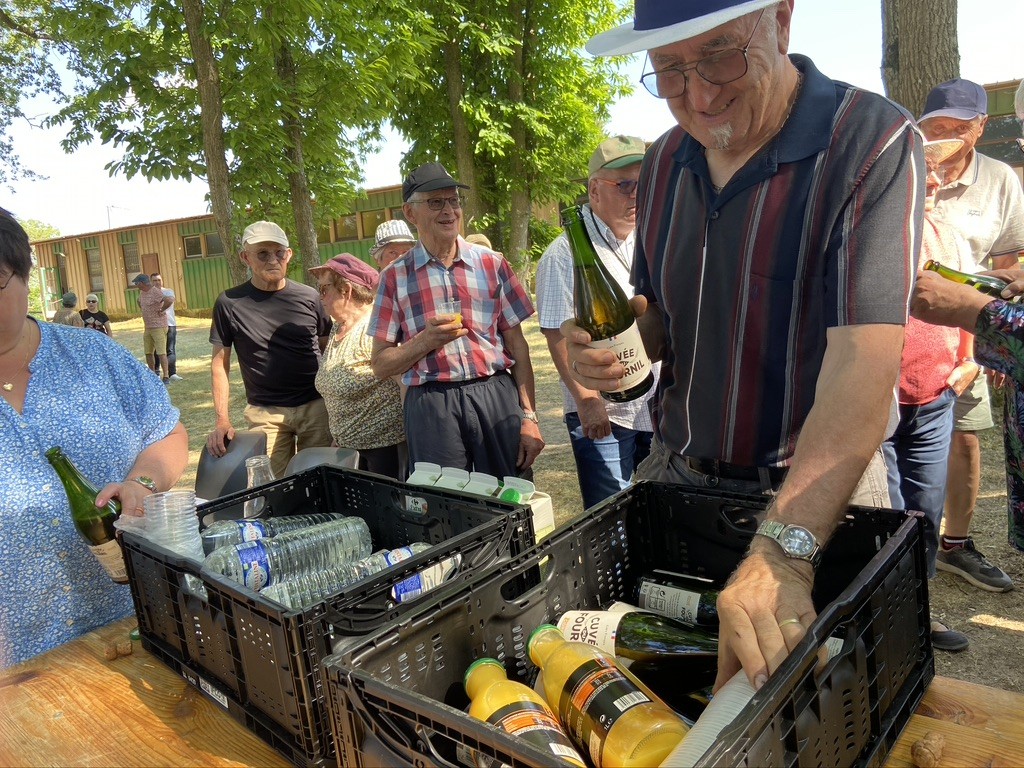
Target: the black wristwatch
(796, 541)
(145, 482)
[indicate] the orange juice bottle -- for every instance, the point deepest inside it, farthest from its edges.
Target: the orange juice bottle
(605, 713)
(516, 709)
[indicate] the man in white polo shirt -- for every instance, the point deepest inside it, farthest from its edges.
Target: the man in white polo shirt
(983, 201)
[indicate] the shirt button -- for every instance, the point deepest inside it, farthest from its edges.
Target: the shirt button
(714, 214)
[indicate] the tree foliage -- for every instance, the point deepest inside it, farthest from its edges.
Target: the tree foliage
(919, 49)
(38, 230)
(512, 104)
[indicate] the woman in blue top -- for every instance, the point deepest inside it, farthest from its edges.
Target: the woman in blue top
(87, 394)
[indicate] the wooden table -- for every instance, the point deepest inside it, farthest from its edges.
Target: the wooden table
(73, 707)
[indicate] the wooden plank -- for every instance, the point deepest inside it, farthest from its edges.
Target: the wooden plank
(72, 706)
(977, 706)
(966, 746)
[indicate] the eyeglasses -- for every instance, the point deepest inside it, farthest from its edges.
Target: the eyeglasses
(1020, 144)
(438, 203)
(91, 301)
(627, 186)
(266, 256)
(718, 69)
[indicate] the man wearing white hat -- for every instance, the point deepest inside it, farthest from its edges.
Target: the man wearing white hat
(778, 229)
(392, 240)
(278, 328)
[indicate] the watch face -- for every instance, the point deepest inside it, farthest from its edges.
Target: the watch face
(797, 541)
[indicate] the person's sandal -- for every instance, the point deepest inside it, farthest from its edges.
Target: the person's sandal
(946, 639)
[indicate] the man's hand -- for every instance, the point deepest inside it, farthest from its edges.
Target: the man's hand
(764, 612)
(217, 442)
(597, 369)
(530, 444)
(593, 418)
(440, 330)
(129, 493)
(939, 301)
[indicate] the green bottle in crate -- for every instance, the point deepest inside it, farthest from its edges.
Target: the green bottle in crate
(689, 599)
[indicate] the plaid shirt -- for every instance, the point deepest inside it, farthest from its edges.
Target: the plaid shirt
(492, 302)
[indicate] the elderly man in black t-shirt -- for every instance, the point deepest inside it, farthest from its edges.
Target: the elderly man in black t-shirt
(279, 328)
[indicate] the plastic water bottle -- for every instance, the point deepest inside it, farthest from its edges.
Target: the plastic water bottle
(226, 532)
(257, 564)
(258, 473)
(306, 589)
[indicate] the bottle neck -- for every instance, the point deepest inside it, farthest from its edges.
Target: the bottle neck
(583, 251)
(542, 643)
(73, 480)
(482, 677)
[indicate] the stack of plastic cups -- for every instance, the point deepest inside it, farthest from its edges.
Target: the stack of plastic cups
(171, 522)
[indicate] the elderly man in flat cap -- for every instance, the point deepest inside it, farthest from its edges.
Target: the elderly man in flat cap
(470, 402)
(778, 230)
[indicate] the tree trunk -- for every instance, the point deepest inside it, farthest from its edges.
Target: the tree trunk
(211, 107)
(520, 205)
(919, 49)
(302, 205)
(465, 156)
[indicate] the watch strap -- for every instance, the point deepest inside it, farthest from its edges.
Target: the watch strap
(774, 530)
(145, 482)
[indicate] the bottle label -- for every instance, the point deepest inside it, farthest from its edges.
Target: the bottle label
(594, 697)
(398, 555)
(629, 348)
(533, 723)
(255, 565)
(112, 560)
(673, 602)
(597, 628)
(251, 530)
(425, 580)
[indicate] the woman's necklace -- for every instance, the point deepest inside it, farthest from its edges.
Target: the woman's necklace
(613, 248)
(7, 386)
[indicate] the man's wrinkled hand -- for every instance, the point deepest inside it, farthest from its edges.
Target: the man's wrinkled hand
(217, 442)
(441, 330)
(763, 614)
(530, 444)
(593, 418)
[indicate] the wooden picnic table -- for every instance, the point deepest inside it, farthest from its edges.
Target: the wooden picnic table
(73, 707)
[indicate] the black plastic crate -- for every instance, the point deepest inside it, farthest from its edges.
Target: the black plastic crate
(261, 662)
(397, 696)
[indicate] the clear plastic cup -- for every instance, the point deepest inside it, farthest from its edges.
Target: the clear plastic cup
(453, 308)
(171, 522)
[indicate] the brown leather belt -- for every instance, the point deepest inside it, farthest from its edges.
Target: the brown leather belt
(727, 471)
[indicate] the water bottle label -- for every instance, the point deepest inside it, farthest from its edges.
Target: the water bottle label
(398, 555)
(110, 558)
(669, 601)
(255, 564)
(251, 530)
(629, 348)
(535, 724)
(597, 628)
(594, 697)
(425, 580)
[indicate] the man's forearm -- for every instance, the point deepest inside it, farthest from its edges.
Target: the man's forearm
(844, 428)
(221, 393)
(389, 360)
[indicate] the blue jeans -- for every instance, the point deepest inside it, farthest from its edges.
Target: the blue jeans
(605, 466)
(916, 458)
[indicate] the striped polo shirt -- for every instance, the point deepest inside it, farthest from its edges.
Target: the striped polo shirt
(493, 300)
(820, 229)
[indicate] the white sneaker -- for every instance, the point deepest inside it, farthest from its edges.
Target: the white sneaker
(176, 377)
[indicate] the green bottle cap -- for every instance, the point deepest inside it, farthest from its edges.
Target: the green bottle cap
(512, 495)
(538, 630)
(480, 663)
(134, 634)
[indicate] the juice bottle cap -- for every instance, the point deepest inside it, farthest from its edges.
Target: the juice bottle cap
(480, 663)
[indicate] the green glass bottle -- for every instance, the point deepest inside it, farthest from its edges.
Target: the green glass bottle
(603, 311)
(94, 524)
(991, 286)
(689, 599)
(640, 635)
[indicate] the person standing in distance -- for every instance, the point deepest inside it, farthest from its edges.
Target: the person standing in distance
(67, 314)
(609, 440)
(392, 240)
(172, 327)
(778, 228)
(981, 198)
(278, 328)
(153, 303)
(471, 388)
(94, 317)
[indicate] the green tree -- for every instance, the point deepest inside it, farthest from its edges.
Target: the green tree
(513, 105)
(25, 72)
(38, 230)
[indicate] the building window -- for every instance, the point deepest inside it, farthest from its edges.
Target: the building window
(193, 247)
(371, 220)
(131, 260)
(347, 228)
(214, 246)
(92, 256)
(323, 233)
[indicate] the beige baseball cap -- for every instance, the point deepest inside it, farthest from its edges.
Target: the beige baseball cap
(617, 152)
(264, 232)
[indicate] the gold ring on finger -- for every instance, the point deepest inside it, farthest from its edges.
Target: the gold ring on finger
(784, 622)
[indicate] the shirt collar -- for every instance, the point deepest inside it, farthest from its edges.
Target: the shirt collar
(970, 174)
(604, 228)
(421, 258)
